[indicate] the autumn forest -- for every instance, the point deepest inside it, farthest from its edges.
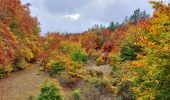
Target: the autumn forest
(124, 61)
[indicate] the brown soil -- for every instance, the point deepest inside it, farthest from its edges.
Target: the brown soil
(105, 69)
(22, 85)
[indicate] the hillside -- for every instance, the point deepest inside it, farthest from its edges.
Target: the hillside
(124, 61)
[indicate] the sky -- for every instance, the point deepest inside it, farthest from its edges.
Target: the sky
(75, 16)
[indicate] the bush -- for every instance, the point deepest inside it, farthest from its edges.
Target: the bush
(77, 94)
(129, 51)
(79, 56)
(68, 47)
(116, 67)
(56, 69)
(100, 61)
(50, 90)
(125, 91)
(93, 54)
(101, 83)
(19, 64)
(3, 72)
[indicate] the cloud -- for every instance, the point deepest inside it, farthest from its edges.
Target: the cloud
(72, 16)
(64, 6)
(79, 15)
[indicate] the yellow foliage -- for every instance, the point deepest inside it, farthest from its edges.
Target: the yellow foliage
(100, 61)
(27, 53)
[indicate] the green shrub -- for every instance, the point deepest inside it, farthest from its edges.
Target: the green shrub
(19, 64)
(101, 83)
(125, 91)
(50, 90)
(129, 51)
(79, 56)
(77, 94)
(56, 69)
(116, 68)
(3, 72)
(68, 47)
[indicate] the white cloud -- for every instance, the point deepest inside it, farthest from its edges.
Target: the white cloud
(74, 17)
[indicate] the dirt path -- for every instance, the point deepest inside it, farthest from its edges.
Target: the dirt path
(22, 85)
(25, 85)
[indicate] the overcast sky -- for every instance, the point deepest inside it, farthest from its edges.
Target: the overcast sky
(79, 15)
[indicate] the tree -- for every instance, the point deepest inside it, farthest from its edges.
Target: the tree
(138, 15)
(113, 26)
(19, 33)
(50, 90)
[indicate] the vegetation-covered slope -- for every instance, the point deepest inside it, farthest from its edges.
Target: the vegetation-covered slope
(136, 50)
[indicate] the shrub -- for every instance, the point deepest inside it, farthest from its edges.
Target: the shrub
(125, 91)
(93, 54)
(68, 47)
(28, 54)
(79, 56)
(100, 61)
(50, 90)
(101, 83)
(116, 67)
(129, 51)
(18, 64)
(74, 50)
(77, 94)
(56, 69)
(3, 72)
